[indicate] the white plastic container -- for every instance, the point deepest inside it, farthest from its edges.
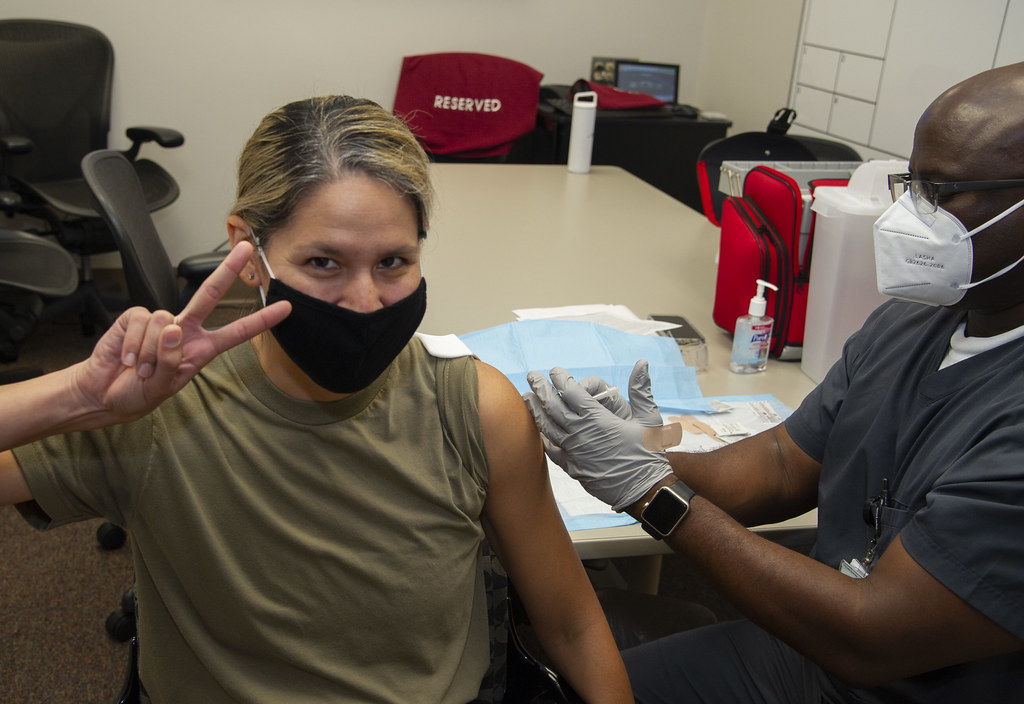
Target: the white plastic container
(843, 290)
(581, 131)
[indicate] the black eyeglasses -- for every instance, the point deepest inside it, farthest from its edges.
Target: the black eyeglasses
(925, 194)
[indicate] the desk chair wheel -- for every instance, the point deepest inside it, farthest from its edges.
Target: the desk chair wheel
(121, 623)
(121, 626)
(111, 537)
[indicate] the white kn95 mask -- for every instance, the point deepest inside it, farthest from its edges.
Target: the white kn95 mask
(927, 258)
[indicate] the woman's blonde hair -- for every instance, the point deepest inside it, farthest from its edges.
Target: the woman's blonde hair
(316, 141)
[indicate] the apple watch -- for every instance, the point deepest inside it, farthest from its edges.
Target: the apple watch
(666, 510)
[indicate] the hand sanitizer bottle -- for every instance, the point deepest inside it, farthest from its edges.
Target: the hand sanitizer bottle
(753, 335)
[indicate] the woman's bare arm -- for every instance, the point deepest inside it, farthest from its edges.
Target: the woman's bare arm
(525, 529)
(139, 362)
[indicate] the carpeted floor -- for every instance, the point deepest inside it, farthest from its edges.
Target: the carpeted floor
(57, 587)
(56, 590)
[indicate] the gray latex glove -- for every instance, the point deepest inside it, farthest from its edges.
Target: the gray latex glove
(641, 406)
(597, 446)
(639, 396)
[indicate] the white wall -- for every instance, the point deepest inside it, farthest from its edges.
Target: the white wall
(212, 68)
(747, 58)
(867, 70)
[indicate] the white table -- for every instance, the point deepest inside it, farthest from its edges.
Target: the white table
(509, 236)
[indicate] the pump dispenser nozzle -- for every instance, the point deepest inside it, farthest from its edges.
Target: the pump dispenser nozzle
(759, 304)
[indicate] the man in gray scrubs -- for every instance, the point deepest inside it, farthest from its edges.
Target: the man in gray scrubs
(912, 449)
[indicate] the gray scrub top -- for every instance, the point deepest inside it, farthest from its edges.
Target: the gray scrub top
(951, 445)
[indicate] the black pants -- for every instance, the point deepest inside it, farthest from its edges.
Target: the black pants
(737, 662)
(728, 663)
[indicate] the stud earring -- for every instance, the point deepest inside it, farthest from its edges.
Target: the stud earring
(251, 276)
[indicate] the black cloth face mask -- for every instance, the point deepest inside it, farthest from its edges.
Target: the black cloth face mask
(340, 349)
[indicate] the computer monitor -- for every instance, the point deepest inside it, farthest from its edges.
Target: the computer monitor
(659, 80)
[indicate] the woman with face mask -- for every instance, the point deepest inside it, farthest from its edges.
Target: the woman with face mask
(307, 512)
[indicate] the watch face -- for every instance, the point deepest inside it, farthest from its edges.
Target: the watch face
(664, 511)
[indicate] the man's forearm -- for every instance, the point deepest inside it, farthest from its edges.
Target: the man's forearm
(762, 479)
(893, 624)
(804, 603)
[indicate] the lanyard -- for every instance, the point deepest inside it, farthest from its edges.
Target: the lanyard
(873, 517)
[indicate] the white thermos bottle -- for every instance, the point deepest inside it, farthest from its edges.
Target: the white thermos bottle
(581, 132)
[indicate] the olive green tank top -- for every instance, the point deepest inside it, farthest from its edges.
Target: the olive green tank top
(289, 551)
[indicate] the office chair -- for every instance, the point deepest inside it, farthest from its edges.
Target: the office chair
(774, 144)
(465, 106)
(32, 270)
(55, 95)
(151, 279)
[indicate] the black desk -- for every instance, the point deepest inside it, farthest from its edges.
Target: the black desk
(660, 148)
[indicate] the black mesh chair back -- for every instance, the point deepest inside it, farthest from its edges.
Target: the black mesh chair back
(148, 272)
(55, 81)
(55, 91)
(151, 279)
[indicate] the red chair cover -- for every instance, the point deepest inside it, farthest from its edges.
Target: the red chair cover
(465, 104)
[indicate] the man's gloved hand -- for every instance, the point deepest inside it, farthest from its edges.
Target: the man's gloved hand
(599, 442)
(641, 406)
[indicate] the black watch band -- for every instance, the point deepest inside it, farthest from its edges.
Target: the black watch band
(666, 510)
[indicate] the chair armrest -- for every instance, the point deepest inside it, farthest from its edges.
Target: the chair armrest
(16, 144)
(195, 269)
(198, 266)
(164, 136)
(11, 144)
(9, 202)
